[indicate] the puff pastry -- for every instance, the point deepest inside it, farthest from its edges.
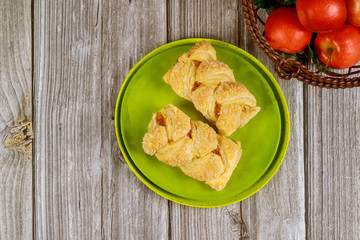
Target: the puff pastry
(198, 77)
(191, 145)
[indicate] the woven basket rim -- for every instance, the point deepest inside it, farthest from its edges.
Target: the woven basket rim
(288, 68)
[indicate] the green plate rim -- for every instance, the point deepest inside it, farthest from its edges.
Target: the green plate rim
(277, 160)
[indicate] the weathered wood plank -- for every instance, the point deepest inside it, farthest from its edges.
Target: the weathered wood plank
(217, 20)
(332, 160)
(278, 210)
(205, 19)
(67, 120)
(15, 120)
(83, 188)
(131, 29)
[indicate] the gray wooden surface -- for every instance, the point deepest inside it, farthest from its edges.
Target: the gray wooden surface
(62, 175)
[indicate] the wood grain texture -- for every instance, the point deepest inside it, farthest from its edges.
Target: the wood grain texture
(332, 163)
(67, 120)
(83, 188)
(217, 20)
(204, 18)
(131, 29)
(278, 210)
(15, 120)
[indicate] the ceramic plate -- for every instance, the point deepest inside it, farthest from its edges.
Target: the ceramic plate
(264, 139)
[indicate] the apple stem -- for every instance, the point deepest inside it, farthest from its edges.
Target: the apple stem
(328, 59)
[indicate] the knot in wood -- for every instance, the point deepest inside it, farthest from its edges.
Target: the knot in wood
(20, 138)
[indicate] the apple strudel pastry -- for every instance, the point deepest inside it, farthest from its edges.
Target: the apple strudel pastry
(210, 84)
(191, 145)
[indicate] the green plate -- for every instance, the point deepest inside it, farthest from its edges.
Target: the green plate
(264, 139)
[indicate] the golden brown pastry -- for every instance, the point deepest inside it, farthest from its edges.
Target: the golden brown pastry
(198, 77)
(191, 145)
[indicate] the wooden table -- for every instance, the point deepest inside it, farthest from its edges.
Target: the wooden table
(62, 175)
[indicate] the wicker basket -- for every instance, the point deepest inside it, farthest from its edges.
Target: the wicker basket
(289, 66)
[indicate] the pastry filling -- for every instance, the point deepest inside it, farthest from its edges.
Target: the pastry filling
(190, 134)
(196, 85)
(217, 151)
(160, 119)
(217, 110)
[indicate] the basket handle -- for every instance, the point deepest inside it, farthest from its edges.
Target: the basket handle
(285, 69)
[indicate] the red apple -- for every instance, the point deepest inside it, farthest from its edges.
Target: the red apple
(339, 49)
(284, 32)
(321, 15)
(353, 12)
